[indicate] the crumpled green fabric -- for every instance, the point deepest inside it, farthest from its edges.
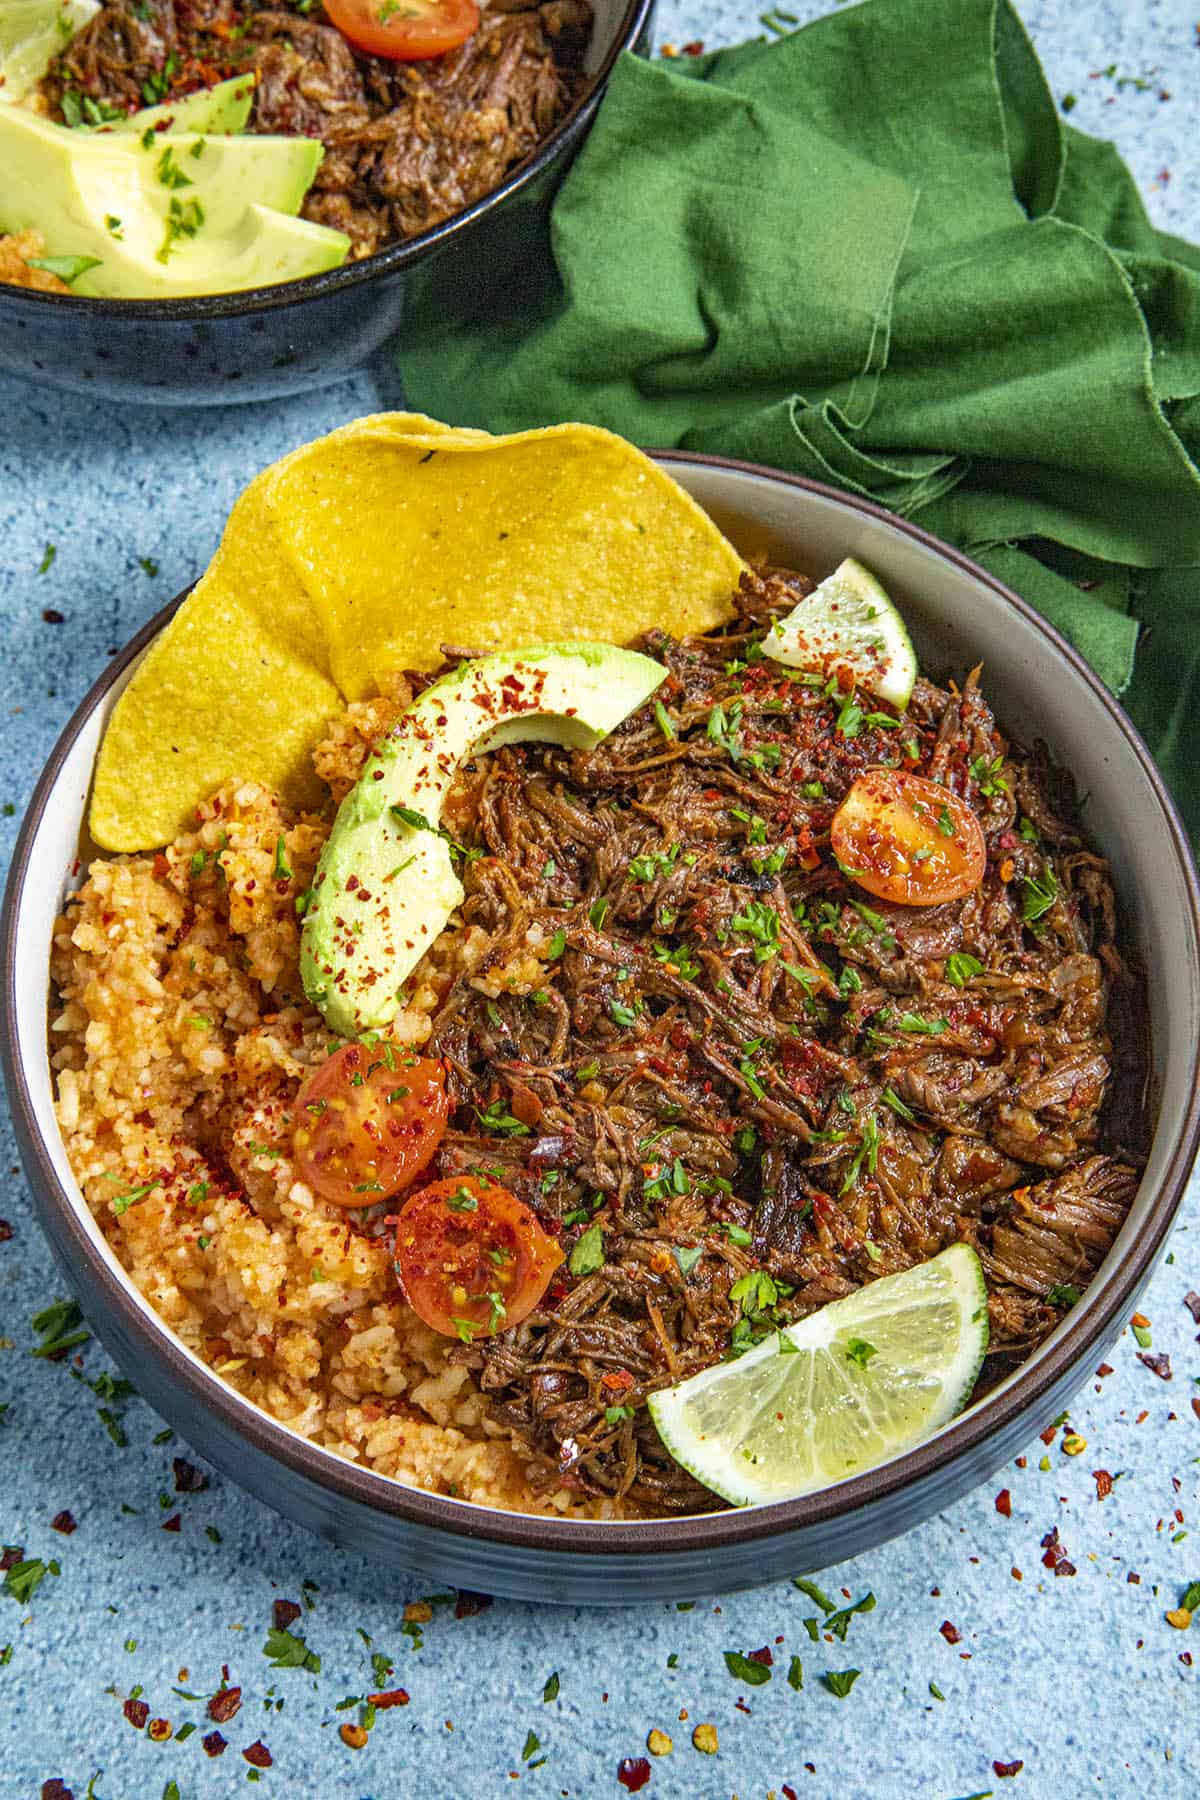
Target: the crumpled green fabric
(873, 253)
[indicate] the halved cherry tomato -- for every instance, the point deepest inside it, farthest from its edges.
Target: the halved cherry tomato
(472, 1258)
(405, 30)
(905, 839)
(368, 1121)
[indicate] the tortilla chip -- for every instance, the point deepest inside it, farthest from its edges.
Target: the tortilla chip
(367, 551)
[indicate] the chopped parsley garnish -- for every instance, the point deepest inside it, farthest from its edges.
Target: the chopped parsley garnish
(961, 966)
(556, 946)
(59, 1325)
(588, 1253)
(686, 1257)
(680, 961)
(614, 1415)
(463, 1201)
(867, 1152)
(945, 822)
(597, 913)
(759, 922)
(283, 869)
(287, 1650)
(817, 1595)
(623, 1014)
(860, 1351)
(840, 1682)
(497, 1119)
(1038, 894)
(68, 269)
(1063, 1293)
(24, 1578)
(919, 1027)
(754, 1674)
(988, 775)
(663, 720)
(123, 1202)
(892, 1099)
(754, 1293)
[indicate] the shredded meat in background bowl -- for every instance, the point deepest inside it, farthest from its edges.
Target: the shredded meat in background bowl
(406, 144)
(673, 1027)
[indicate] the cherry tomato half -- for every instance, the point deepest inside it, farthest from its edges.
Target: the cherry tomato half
(368, 1121)
(405, 30)
(905, 839)
(471, 1257)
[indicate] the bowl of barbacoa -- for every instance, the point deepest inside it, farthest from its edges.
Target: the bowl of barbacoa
(432, 170)
(732, 1085)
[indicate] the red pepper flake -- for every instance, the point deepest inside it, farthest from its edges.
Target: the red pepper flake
(762, 1656)
(469, 1603)
(174, 1523)
(6, 1232)
(215, 1744)
(1016, 1573)
(224, 1705)
(1159, 1365)
(188, 1478)
(1022, 1462)
(1133, 1578)
(52, 616)
(258, 1754)
(1048, 1435)
(789, 1793)
(1004, 1503)
(57, 1789)
(633, 1772)
(617, 1381)
(1056, 1554)
(696, 48)
(1104, 1483)
(283, 1612)
(1192, 1302)
(950, 1632)
(1006, 1769)
(137, 1712)
(11, 1555)
(393, 1697)
(1104, 1369)
(64, 1522)
(159, 1730)
(1196, 1405)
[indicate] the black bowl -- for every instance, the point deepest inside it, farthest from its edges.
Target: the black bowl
(261, 343)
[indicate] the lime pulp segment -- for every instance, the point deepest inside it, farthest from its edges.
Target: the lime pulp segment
(849, 622)
(857, 1382)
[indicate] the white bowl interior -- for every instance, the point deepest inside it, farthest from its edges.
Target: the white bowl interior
(956, 621)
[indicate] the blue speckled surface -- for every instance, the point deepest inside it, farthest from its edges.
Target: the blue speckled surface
(1081, 1678)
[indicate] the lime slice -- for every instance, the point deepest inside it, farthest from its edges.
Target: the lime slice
(849, 622)
(861, 1380)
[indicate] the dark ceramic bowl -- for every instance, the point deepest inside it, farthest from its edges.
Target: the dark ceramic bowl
(216, 349)
(958, 614)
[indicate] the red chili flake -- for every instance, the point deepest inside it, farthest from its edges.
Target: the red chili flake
(1141, 1418)
(1047, 1436)
(1104, 1483)
(258, 1754)
(762, 1656)
(1159, 1365)
(694, 49)
(188, 1478)
(1056, 1554)
(12, 1554)
(215, 1744)
(137, 1712)
(950, 1632)
(1196, 1405)
(617, 1380)
(283, 1612)
(633, 1772)
(159, 1730)
(1192, 1302)
(789, 1793)
(57, 1789)
(6, 1231)
(469, 1603)
(224, 1705)
(1134, 1578)
(174, 1523)
(1022, 1462)
(1005, 1769)
(64, 1522)
(1016, 1573)
(393, 1697)
(1104, 1369)
(1004, 1503)
(52, 616)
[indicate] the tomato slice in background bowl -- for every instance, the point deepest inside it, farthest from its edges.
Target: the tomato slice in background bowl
(905, 839)
(405, 30)
(367, 1121)
(472, 1258)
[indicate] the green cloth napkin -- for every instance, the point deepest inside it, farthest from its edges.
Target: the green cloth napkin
(872, 253)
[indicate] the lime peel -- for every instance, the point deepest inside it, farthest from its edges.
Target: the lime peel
(849, 623)
(862, 1380)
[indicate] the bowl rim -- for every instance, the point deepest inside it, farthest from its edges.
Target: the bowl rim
(201, 308)
(703, 1532)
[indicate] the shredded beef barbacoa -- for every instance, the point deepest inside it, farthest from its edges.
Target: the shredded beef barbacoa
(406, 144)
(739, 1064)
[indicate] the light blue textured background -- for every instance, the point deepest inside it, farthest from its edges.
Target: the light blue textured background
(1080, 1678)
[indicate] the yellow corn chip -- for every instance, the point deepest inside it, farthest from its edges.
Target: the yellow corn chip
(365, 552)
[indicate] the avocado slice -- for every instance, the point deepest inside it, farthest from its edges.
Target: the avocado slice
(385, 884)
(217, 111)
(31, 31)
(165, 214)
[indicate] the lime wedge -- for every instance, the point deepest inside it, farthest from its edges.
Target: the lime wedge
(859, 1381)
(849, 622)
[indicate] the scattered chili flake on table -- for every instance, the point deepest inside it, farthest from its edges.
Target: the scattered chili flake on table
(137, 1712)
(1003, 1503)
(215, 1744)
(633, 1772)
(52, 616)
(393, 1697)
(188, 1478)
(56, 1789)
(159, 1730)
(258, 1754)
(469, 1603)
(1006, 1769)
(1104, 1483)
(283, 1612)
(6, 1231)
(1159, 1365)
(1191, 1301)
(64, 1522)
(174, 1523)
(224, 1705)
(1056, 1554)
(950, 1632)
